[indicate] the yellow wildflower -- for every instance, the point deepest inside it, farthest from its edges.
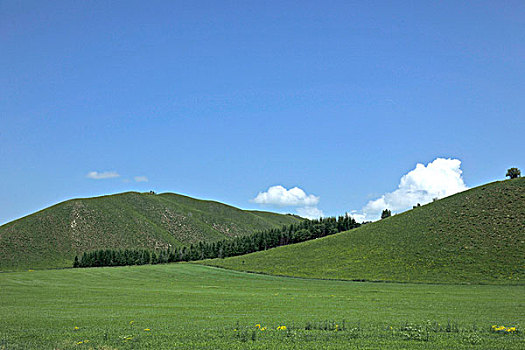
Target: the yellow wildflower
(147, 329)
(76, 328)
(503, 329)
(258, 325)
(131, 322)
(80, 342)
(263, 329)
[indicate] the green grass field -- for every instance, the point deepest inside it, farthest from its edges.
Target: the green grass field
(476, 236)
(470, 244)
(188, 306)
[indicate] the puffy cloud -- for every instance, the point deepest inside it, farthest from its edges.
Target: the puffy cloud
(140, 179)
(358, 216)
(438, 179)
(280, 196)
(102, 175)
(310, 212)
(294, 197)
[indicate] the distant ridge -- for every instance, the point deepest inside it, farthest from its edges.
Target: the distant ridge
(476, 236)
(51, 237)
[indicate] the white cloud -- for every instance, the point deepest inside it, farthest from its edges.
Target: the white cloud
(358, 216)
(280, 196)
(310, 212)
(440, 178)
(102, 175)
(294, 197)
(140, 179)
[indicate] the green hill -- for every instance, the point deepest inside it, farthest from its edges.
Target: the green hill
(52, 237)
(476, 236)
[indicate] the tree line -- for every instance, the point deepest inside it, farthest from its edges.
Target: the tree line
(263, 240)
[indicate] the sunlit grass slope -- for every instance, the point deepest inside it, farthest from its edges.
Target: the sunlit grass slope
(186, 306)
(476, 236)
(52, 237)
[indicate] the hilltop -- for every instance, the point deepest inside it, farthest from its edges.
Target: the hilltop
(53, 236)
(476, 236)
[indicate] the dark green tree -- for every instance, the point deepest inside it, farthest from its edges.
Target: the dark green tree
(306, 230)
(513, 173)
(386, 213)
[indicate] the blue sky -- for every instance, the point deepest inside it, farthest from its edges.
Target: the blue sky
(224, 99)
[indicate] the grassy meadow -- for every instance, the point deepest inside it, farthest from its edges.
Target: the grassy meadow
(460, 260)
(189, 306)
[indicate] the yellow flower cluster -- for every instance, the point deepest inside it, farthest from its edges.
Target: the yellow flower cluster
(258, 325)
(281, 328)
(82, 342)
(503, 329)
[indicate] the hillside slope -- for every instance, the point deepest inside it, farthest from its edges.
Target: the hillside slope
(476, 236)
(52, 237)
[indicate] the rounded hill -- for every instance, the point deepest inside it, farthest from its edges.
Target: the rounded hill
(53, 236)
(476, 236)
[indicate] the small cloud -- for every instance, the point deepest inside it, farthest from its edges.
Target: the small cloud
(357, 216)
(310, 212)
(294, 197)
(280, 196)
(102, 175)
(438, 179)
(140, 179)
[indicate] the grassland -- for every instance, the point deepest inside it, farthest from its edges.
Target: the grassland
(188, 306)
(477, 236)
(470, 245)
(52, 237)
